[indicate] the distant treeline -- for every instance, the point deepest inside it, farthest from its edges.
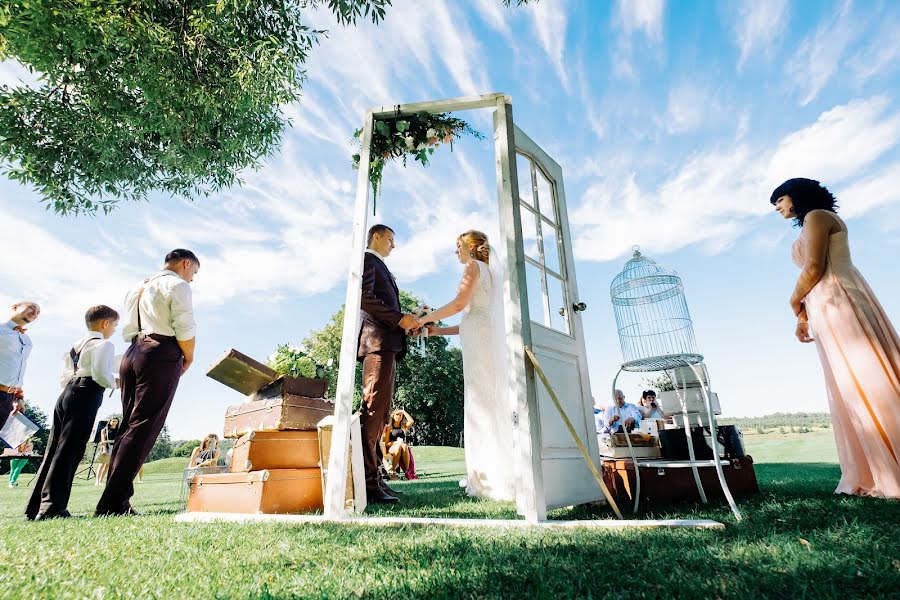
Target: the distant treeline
(789, 421)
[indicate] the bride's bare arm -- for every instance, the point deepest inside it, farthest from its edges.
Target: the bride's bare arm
(434, 330)
(463, 295)
(818, 226)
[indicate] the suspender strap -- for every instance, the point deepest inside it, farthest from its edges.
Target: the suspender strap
(140, 293)
(76, 356)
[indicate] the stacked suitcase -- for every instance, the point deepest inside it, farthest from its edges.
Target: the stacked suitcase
(276, 464)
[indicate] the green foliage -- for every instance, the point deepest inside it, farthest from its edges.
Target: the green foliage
(162, 448)
(184, 448)
(174, 96)
(660, 383)
(416, 135)
(293, 361)
(799, 420)
(429, 383)
(40, 419)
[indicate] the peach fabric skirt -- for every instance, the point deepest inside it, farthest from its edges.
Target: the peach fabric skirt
(860, 354)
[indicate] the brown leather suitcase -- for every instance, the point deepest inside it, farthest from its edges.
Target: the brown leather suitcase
(676, 484)
(260, 450)
(277, 491)
(240, 372)
(291, 413)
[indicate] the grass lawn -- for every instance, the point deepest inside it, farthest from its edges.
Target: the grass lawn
(797, 540)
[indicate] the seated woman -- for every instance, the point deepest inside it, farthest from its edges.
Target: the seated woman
(650, 408)
(207, 453)
(394, 442)
(104, 447)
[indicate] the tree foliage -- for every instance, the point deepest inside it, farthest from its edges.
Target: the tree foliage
(175, 96)
(429, 382)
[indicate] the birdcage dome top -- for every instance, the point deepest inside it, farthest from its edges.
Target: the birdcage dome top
(652, 317)
(643, 280)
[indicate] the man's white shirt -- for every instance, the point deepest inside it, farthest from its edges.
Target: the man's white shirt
(627, 410)
(97, 361)
(15, 348)
(166, 308)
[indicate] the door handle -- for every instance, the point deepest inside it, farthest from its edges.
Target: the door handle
(579, 306)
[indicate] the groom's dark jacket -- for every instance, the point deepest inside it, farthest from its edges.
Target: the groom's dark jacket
(380, 305)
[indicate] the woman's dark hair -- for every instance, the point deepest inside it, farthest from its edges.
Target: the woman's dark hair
(648, 393)
(807, 195)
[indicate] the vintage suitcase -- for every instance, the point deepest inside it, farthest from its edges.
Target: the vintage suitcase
(355, 496)
(292, 413)
(676, 484)
(260, 450)
(270, 492)
(240, 372)
(285, 386)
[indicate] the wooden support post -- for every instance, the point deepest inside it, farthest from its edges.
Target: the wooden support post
(343, 403)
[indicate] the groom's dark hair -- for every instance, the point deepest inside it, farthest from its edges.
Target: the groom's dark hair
(379, 228)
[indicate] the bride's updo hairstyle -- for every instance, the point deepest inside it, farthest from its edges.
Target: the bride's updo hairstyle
(477, 243)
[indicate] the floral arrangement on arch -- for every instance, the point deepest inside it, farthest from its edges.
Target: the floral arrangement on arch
(416, 135)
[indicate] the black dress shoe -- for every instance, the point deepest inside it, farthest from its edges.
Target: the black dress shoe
(46, 516)
(380, 496)
(128, 512)
(391, 490)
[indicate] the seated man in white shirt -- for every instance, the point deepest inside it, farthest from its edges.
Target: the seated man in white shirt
(89, 369)
(621, 414)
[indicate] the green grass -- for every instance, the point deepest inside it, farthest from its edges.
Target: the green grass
(852, 550)
(817, 446)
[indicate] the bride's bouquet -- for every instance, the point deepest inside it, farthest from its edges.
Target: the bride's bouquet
(421, 312)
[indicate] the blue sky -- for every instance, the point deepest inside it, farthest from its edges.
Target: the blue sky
(672, 121)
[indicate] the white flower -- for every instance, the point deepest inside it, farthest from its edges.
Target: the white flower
(420, 146)
(431, 133)
(410, 142)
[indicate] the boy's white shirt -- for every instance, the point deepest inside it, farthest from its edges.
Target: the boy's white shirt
(97, 361)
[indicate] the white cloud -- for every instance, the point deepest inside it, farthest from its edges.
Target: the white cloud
(839, 144)
(14, 74)
(687, 108)
(881, 54)
(641, 16)
(758, 24)
(871, 192)
(820, 54)
(714, 197)
(632, 18)
(550, 21)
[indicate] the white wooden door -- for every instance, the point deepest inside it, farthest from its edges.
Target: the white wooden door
(557, 339)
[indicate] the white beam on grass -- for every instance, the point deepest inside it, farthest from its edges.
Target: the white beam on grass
(450, 522)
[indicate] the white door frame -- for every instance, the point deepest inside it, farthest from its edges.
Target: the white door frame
(522, 381)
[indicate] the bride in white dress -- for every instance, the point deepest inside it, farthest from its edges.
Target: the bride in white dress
(488, 419)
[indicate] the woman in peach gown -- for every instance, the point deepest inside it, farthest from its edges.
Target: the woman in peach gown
(858, 346)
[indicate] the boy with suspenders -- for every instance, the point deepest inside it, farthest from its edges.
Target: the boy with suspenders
(88, 371)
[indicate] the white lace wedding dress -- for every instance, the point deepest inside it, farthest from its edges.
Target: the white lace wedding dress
(488, 424)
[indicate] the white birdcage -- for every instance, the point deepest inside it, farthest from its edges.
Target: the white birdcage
(652, 317)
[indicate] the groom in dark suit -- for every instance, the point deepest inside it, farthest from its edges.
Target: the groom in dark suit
(382, 342)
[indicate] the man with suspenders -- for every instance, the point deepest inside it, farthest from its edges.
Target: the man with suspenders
(88, 370)
(160, 327)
